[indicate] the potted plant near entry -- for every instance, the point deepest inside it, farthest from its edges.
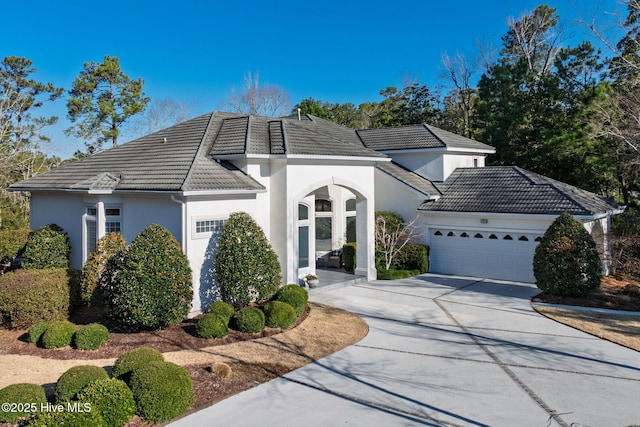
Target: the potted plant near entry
(312, 280)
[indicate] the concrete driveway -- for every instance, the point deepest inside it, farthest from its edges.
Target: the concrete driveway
(447, 351)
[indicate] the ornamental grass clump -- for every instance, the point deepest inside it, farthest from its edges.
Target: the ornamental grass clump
(566, 262)
(27, 399)
(249, 319)
(279, 314)
(247, 268)
(153, 287)
(211, 325)
(133, 359)
(75, 379)
(91, 336)
(111, 399)
(294, 295)
(162, 391)
(58, 334)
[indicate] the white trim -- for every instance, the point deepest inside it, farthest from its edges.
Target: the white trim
(439, 150)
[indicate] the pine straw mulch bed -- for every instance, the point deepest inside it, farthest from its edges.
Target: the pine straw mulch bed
(615, 293)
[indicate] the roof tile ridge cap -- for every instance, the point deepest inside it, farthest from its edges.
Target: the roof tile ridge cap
(247, 139)
(409, 171)
(551, 183)
(285, 137)
(430, 130)
(199, 151)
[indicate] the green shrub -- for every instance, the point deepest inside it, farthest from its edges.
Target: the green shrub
(349, 256)
(392, 274)
(278, 314)
(91, 336)
(12, 242)
(247, 268)
(82, 418)
(58, 334)
(112, 399)
(211, 325)
(566, 262)
(162, 391)
(294, 295)
(133, 359)
(75, 379)
(94, 286)
(37, 331)
(153, 288)
(31, 394)
(48, 248)
(31, 296)
(413, 256)
(249, 319)
(222, 309)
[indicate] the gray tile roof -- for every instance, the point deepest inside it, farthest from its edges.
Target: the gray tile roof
(413, 137)
(509, 189)
(288, 135)
(174, 159)
(410, 179)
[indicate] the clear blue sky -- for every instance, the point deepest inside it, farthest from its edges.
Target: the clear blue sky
(195, 51)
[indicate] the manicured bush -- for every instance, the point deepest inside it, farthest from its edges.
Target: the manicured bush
(566, 262)
(222, 309)
(249, 319)
(162, 391)
(349, 256)
(91, 336)
(94, 284)
(37, 331)
(31, 296)
(58, 334)
(153, 288)
(133, 359)
(392, 274)
(112, 399)
(24, 393)
(294, 295)
(48, 248)
(211, 325)
(82, 418)
(247, 268)
(413, 256)
(12, 242)
(75, 379)
(278, 314)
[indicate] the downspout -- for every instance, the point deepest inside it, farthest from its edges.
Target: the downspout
(183, 224)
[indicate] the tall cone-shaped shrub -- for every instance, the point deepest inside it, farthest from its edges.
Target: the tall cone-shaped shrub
(94, 285)
(247, 268)
(566, 262)
(153, 287)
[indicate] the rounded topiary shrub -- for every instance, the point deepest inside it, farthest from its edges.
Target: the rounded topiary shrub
(249, 319)
(93, 285)
(247, 268)
(222, 309)
(91, 336)
(294, 295)
(58, 334)
(153, 287)
(162, 391)
(278, 314)
(75, 379)
(566, 262)
(31, 394)
(211, 325)
(68, 419)
(37, 331)
(133, 359)
(47, 248)
(112, 399)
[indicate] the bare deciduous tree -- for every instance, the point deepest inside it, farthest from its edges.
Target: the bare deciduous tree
(265, 100)
(391, 237)
(161, 114)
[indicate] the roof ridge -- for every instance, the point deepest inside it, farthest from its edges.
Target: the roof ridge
(551, 183)
(247, 140)
(428, 128)
(198, 151)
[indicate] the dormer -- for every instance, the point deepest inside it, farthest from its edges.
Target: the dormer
(430, 152)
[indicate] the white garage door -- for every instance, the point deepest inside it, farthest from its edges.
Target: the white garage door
(492, 254)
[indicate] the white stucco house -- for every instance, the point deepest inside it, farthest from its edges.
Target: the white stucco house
(311, 185)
